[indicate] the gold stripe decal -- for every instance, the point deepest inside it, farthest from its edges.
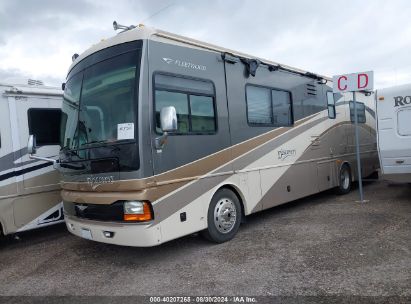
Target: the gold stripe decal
(155, 187)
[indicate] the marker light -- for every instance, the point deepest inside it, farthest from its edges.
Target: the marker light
(108, 234)
(137, 211)
(381, 98)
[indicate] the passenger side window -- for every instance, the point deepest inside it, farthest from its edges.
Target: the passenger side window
(45, 125)
(259, 105)
(281, 108)
(331, 105)
(194, 101)
(267, 106)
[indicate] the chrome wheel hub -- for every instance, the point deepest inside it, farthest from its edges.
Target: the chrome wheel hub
(345, 179)
(225, 215)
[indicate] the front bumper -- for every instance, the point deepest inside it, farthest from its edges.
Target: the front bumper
(125, 234)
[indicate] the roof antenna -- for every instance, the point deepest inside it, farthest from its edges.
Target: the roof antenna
(124, 28)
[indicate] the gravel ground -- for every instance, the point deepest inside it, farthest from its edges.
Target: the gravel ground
(321, 245)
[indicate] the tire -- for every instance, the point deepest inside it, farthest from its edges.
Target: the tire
(344, 180)
(223, 217)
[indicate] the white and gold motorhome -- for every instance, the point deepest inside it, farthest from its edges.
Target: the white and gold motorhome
(166, 136)
(29, 189)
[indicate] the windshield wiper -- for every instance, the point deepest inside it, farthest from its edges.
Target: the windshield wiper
(70, 151)
(95, 142)
(113, 148)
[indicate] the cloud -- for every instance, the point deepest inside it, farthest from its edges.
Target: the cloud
(16, 76)
(9, 75)
(39, 37)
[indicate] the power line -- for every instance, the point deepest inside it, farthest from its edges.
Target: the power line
(158, 12)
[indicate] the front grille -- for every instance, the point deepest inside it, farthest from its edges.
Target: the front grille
(104, 166)
(113, 212)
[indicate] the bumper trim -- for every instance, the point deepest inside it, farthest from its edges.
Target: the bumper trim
(125, 234)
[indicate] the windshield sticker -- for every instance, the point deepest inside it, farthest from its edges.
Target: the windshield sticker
(125, 131)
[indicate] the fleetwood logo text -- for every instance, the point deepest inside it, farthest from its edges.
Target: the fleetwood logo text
(185, 64)
(94, 182)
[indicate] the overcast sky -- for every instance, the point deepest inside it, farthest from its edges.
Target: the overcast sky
(38, 37)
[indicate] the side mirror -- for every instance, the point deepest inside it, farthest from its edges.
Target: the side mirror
(331, 112)
(31, 145)
(32, 149)
(168, 119)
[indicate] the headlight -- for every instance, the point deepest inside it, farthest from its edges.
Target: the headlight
(133, 207)
(137, 211)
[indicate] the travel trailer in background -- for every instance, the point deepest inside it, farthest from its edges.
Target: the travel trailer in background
(29, 189)
(394, 132)
(165, 136)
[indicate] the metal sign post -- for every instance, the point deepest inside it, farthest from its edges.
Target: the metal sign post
(353, 83)
(357, 149)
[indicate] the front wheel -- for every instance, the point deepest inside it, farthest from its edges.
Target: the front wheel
(224, 216)
(345, 180)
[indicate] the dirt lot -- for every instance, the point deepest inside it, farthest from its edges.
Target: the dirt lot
(321, 245)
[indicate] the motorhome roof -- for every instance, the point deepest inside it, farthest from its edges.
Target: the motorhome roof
(396, 88)
(143, 32)
(25, 89)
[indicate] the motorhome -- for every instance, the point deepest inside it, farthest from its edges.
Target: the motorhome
(165, 136)
(394, 132)
(29, 189)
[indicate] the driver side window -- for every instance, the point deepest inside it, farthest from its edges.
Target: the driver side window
(178, 101)
(194, 101)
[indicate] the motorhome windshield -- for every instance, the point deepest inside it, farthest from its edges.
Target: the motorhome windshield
(99, 103)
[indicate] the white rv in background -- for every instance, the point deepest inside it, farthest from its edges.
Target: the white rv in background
(393, 107)
(29, 189)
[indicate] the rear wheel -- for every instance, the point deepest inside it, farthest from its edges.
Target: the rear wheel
(224, 216)
(345, 180)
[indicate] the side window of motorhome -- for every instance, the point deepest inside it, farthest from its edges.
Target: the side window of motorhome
(194, 101)
(331, 105)
(70, 106)
(360, 112)
(403, 120)
(266, 106)
(45, 125)
(313, 104)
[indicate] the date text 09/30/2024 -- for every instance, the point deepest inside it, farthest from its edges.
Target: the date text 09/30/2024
(203, 299)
